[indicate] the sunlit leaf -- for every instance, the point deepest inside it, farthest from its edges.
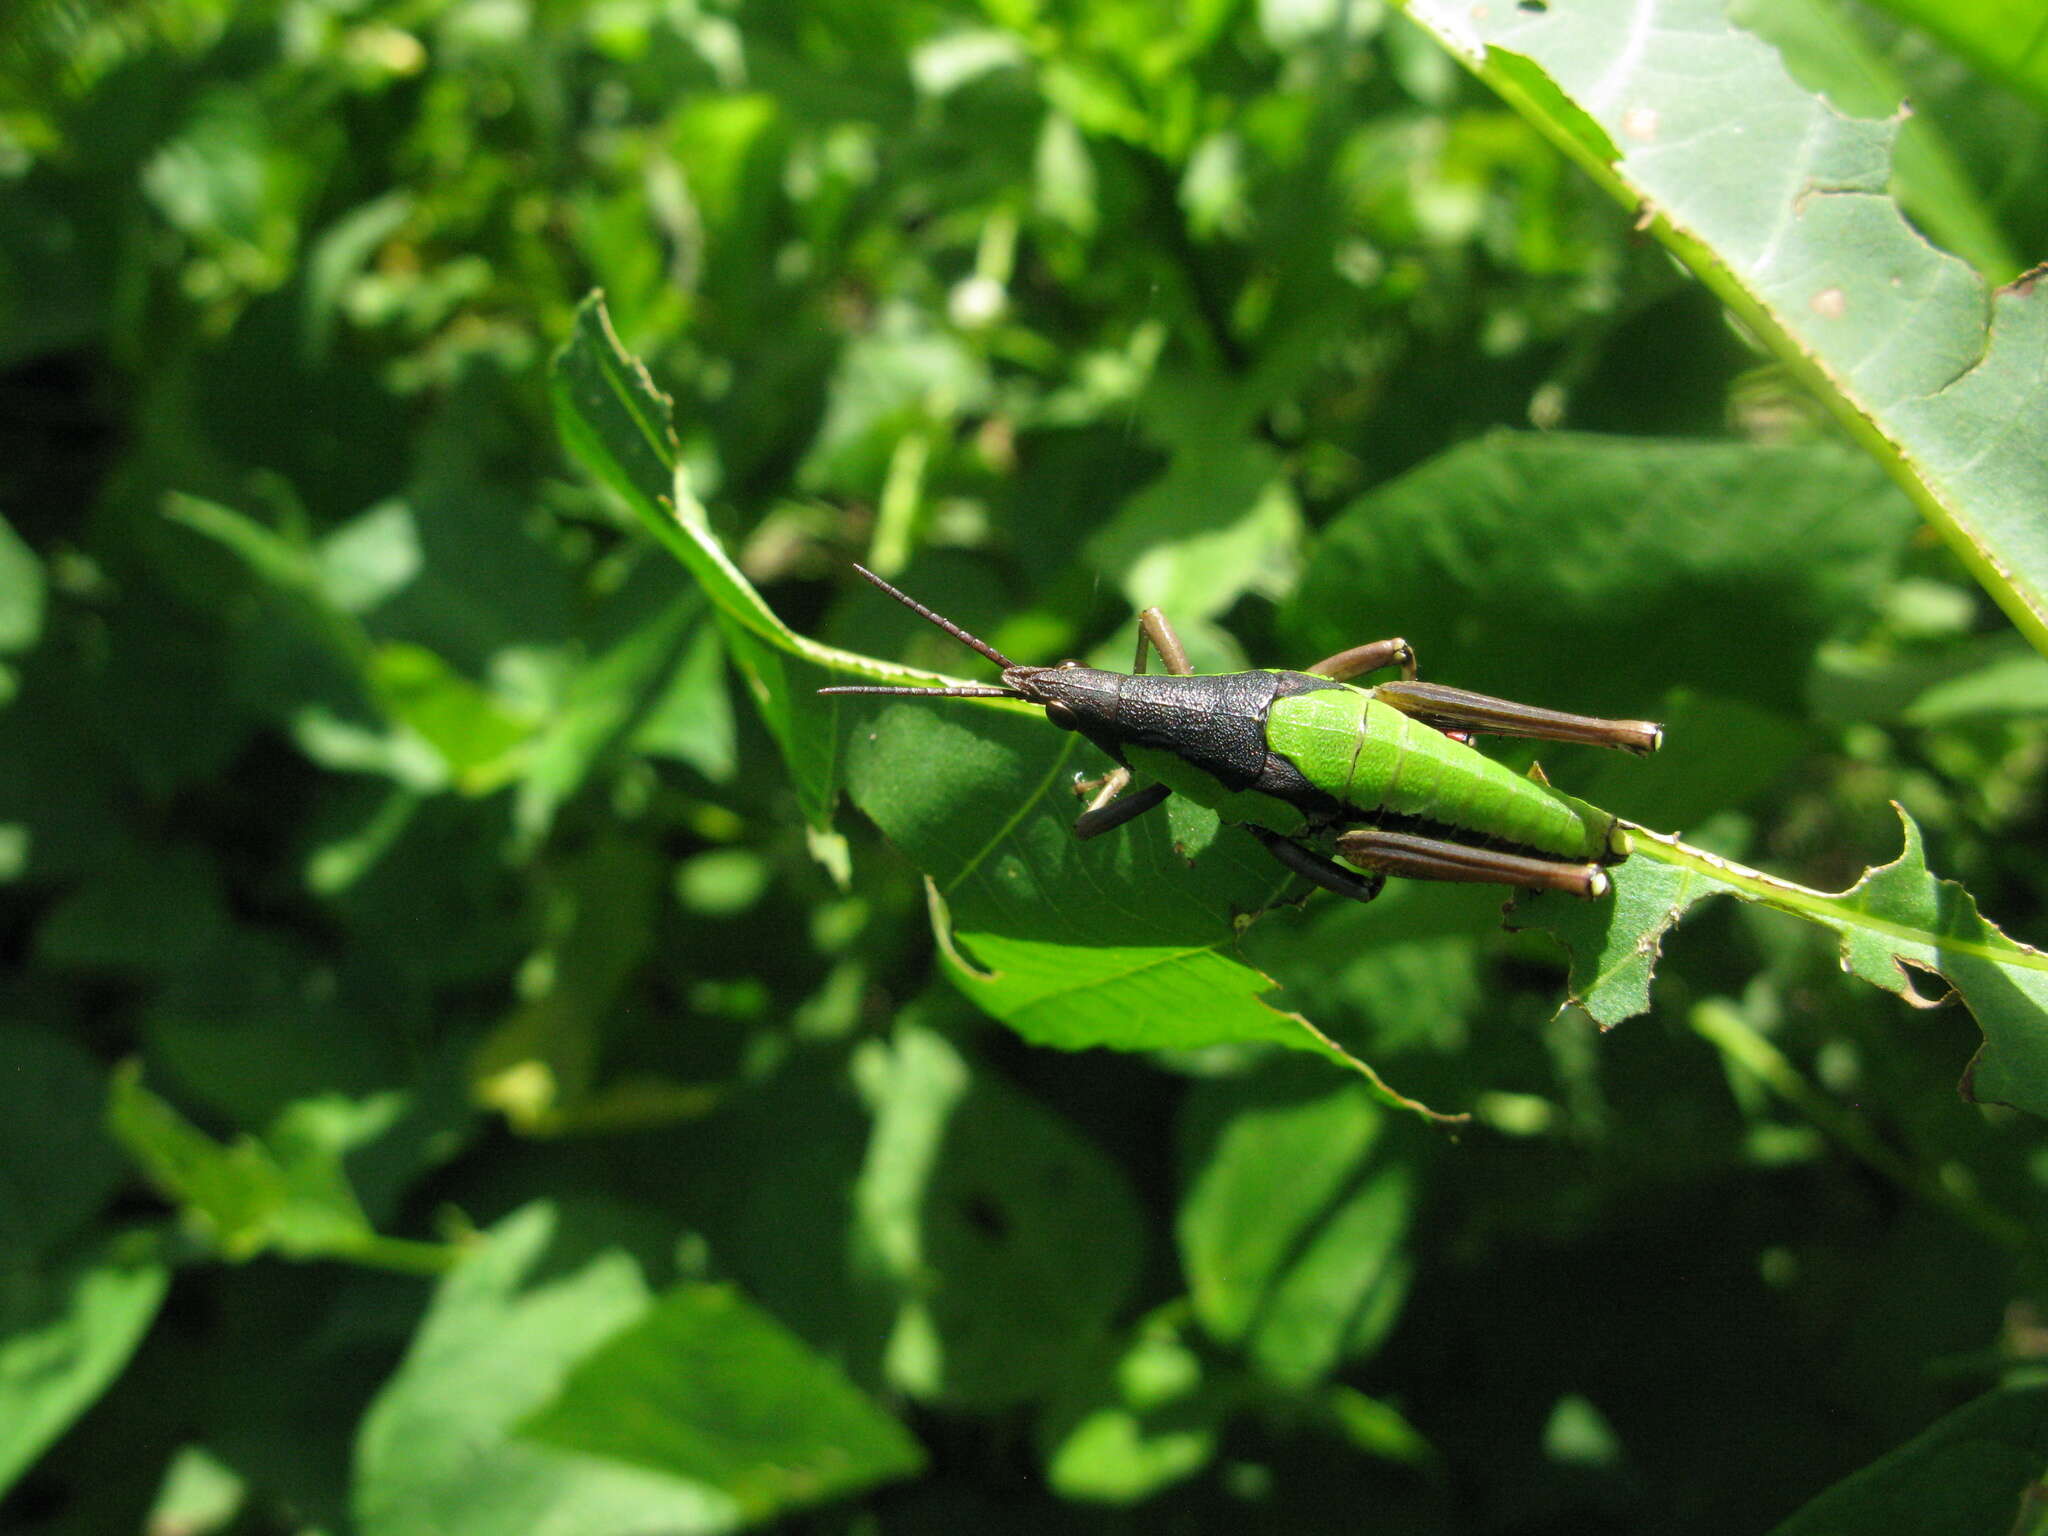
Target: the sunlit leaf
(709, 1390)
(1779, 203)
(1293, 1216)
(21, 592)
(65, 1333)
(972, 1196)
(437, 1452)
(289, 1191)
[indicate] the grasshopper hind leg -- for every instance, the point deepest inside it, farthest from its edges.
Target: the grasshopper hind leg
(1461, 710)
(1429, 858)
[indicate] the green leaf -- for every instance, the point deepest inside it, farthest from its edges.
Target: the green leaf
(370, 558)
(709, 1390)
(289, 1192)
(1639, 552)
(21, 592)
(599, 705)
(1146, 1420)
(972, 1196)
(150, 911)
(1125, 941)
(200, 1494)
(65, 1334)
(539, 1064)
(1220, 522)
(1779, 204)
(1899, 917)
(480, 742)
(1979, 1469)
(1293, 1218)
(437, 1454)
(691, 718)
(617, 423)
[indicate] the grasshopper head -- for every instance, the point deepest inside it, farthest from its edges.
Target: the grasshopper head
(1076, 698)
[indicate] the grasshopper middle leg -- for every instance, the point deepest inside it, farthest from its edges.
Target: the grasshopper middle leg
(1312, 866)
(1107, 812)
(1156, 631)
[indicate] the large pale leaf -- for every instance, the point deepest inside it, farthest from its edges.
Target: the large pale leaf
(1779, 203)
(1827, 50)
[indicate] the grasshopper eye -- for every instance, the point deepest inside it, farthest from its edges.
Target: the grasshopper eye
(1063, 716)
(1067, 665)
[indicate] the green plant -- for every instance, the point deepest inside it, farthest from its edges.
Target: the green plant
(486, 1047)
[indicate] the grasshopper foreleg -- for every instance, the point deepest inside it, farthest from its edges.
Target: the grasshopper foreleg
(1316, 869)
(1106, 811)
(1428, 858)
(1099, 791)
(1156, 631)
(1456, 709)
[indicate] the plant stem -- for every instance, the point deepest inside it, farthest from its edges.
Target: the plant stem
(400, 1255)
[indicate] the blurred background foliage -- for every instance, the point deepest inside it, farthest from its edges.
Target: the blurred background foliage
(388, 858)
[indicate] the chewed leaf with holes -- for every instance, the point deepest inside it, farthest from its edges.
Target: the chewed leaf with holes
(1898, 919)
(1779, 203)
(1125, 942)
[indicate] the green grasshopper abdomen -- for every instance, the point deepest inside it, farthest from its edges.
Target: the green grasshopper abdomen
(1374, 760)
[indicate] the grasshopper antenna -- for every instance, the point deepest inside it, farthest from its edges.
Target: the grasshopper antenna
(950, 628)
(947, 625)
(928, 693)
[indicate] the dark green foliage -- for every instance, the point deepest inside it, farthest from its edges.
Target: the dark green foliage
(483, 1048)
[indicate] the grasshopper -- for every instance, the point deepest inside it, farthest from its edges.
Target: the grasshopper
(1308, 763)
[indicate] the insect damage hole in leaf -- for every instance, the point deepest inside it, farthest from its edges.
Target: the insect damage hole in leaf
(1897, 918)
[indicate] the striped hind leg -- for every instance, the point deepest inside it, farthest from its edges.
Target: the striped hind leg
(1429, 858)
(1458, 709)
